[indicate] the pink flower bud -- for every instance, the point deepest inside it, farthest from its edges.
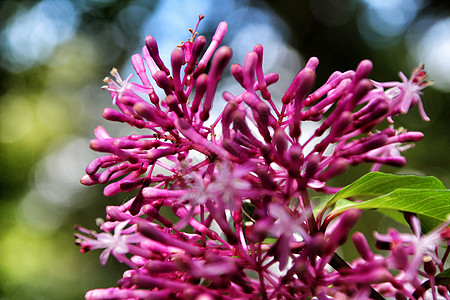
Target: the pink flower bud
(113, 189)
(116, 215)
(360, 90)
(216, 40)
(238, 73)
(131, 184)
(305, 83)
(90, 179)
(373, 142)
(107, 174)
(166, 239)
(363, 70)
(104, 146)
(150, 211)
(152, 46)
(220, 60)
(280, 141)
(200, 89)
(362, 246)
(258, 49)
(138, 64)
(154, 154)
(112, 115)
(94, 165)
(292, 89)
(234, 149)
(366, 118)
(338, 236)
(149, 112)
(101, 133)
(163, 82)
(312, 63)
(337, 167)
(197, 48)
(342, 124)
(172, 103)
(408, 137)
(311, 167)
(156, 266)
(177, 60)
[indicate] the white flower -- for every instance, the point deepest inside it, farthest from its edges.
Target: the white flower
(229, 184)
(406, 94)
(120, 87)
(115, 244)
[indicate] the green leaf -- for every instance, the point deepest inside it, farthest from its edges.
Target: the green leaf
(425, 196)
(320, 202)
(444, 274)
(434, 204)
(342, 204)
(395, 215)
(376, 184)
(443, 278)
(270, 240)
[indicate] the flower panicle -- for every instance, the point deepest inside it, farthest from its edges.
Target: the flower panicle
(222, 207)
(355, 106)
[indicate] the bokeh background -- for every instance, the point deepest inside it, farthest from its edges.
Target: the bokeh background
(55, 53)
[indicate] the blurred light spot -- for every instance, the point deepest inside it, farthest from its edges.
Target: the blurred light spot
(56, 190)
(33, 264)
(73, 65)
(257, 33)
(247, 26)
(58, 174)
(381, 21)
(40, 214)
(18, 252)
(131, 16)
(433, 49)
(170, 20)
(16, 118)
(169, 23)
(32, 34)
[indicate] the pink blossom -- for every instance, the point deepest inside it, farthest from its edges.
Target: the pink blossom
(406, 94)
(116, 244)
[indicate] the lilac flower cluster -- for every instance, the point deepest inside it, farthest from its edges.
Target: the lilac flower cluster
(222, 208)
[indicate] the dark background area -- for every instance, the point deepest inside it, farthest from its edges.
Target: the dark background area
(54, 55)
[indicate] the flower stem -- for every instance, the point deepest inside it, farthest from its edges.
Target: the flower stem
(310, 216)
